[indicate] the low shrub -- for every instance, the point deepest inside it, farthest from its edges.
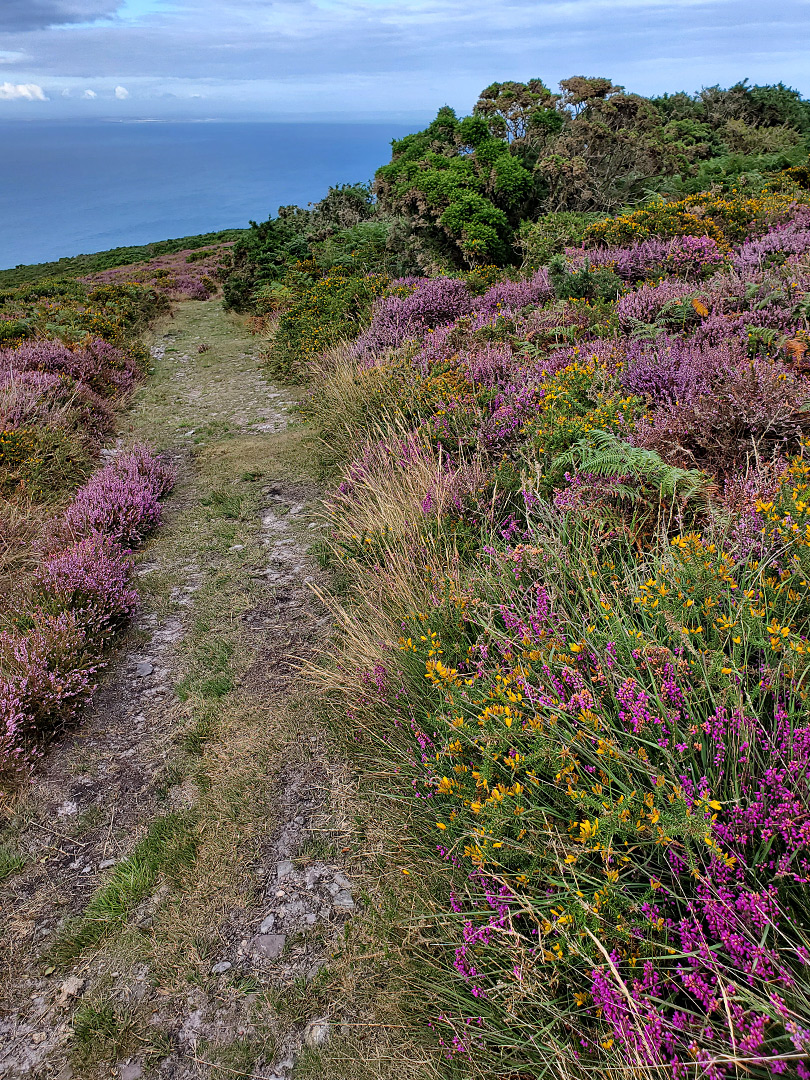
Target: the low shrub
(82, 595)
(571, 540)
(122, 500)
(93, 579)
(322, 313)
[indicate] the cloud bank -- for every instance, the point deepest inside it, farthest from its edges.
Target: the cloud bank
(35, 14)
(382, 58)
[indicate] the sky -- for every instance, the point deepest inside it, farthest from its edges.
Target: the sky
(371, 59)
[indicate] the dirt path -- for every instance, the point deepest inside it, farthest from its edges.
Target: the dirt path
(187, 850)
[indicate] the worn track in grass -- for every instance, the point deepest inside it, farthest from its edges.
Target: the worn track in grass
(187, 847)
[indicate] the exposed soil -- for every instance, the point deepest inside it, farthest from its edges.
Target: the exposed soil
(101, 785)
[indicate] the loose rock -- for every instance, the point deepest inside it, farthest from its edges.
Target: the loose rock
(270, 946)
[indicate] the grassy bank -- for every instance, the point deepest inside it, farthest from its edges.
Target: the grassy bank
(569, 546)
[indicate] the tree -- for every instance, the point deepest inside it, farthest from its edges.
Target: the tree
(524, 114)
(462, 187)
(610, 149)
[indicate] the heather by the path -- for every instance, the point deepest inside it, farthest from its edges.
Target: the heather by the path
(193, 888)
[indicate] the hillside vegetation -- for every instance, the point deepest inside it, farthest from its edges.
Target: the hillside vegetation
(81, 265)
(559, 368)
(558, 360)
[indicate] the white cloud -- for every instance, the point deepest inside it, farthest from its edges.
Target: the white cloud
(89, 94)
(121, 93)
(21, 92)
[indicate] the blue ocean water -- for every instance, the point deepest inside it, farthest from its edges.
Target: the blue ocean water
(70, 188)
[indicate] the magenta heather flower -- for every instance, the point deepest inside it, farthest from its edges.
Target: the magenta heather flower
(790, 238)
(648, 301)
(42, 397)
(52, 674)
(121, 501)
(396, 319)
(685, 256)
(514, 295)
(50, 670)
(91, 578)
(102, 367)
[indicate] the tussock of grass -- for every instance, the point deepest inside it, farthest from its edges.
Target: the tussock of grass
(11, 862)
(105, 1030)
(168, 849)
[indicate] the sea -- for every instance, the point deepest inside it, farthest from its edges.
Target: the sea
(71, 188)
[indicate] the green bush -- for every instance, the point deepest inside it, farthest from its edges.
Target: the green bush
(549, 235)
(587, 283)
(324, 312)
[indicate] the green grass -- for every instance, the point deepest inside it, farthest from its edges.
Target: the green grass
(227, 504)
(104, 1031)
(169, 848)
(101, 1027)
(11, 862)
(78, 265)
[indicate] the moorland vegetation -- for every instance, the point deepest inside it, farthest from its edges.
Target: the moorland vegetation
(558, 355)
(559, 363)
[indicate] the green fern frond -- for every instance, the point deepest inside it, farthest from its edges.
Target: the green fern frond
(603, 454)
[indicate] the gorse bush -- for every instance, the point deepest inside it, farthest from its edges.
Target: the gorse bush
(531, 172)
(324, 311)
(60, 381)
(572, 538)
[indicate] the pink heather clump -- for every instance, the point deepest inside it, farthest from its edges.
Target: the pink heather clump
(791, 238)
(121, 501)
(105, 369)
(678, 371)
(91, 578)
(40, 397)
(647, 302)
(685, 256)
(49, 671)
(514, 295)
(397, 319)
(52, 675)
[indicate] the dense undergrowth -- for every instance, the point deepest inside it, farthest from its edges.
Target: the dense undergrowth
(70, 357)
(571, 543)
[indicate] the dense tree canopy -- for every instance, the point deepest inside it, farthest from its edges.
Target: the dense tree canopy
(520, 177)
(465, 184)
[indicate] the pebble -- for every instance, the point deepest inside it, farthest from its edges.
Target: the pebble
(106, 864)
(343, 901)
(270, 946)
(221, 967)
(144, 668)
(285, 868)
(317, 1033)
(267, 924)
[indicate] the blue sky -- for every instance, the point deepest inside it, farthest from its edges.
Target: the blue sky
(371, 59)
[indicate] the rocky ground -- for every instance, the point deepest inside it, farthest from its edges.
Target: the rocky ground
(190, 853)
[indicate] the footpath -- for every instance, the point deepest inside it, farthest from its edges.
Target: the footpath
(192, 866)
